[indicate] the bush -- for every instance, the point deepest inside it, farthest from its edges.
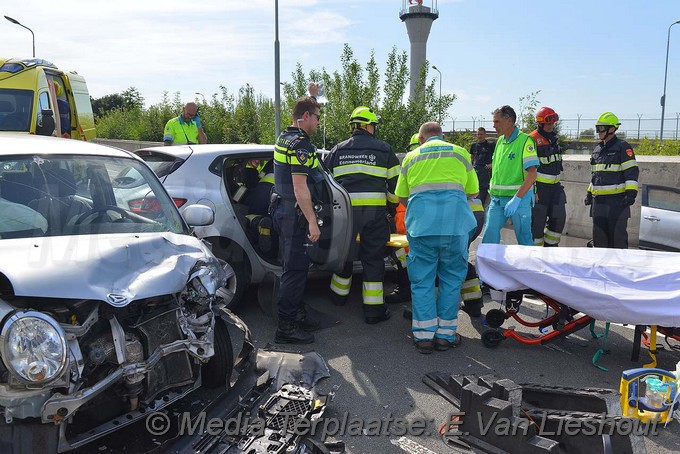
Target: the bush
(653, 147)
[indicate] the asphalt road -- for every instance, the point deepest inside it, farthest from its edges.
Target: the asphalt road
(379, 372)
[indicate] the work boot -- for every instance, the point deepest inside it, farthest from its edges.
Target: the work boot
(289, 332)
(338, 300)
(306, 321)
(473, 307)
(377, 316)
(264, 236)
(398, 295)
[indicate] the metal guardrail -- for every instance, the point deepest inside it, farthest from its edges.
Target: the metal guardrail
(579, 128)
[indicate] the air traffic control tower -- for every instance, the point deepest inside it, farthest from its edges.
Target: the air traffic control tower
(418, 17)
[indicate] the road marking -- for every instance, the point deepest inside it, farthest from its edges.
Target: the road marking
(411, 446)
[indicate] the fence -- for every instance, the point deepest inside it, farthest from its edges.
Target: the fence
(584, 128)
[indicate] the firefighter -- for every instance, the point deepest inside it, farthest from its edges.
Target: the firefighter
(435, 182)
(550, 197)
(471, 291)
(402, 292)
(258, 179)
(297, 178)
(613, 186)
(368, 169)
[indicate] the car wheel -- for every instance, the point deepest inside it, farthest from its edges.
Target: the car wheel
(237, 268)
(217, 371)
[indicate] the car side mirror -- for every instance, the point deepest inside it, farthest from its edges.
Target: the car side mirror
(198, 215)
(47, 124)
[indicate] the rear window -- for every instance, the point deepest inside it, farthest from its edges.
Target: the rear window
(162, 164)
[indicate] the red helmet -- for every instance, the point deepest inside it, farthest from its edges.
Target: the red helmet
(546, 115)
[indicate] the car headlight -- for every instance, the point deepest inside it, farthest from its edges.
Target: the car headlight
(33, 347)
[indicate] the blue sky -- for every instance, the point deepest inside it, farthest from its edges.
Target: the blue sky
(586, 57)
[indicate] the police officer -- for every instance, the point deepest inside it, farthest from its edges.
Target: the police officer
(613, 186)
(550, 197)
(297, 178)
(368, 169)
(435, 182)
(482, 154)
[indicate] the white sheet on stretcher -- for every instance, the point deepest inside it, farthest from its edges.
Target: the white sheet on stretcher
(615, 285)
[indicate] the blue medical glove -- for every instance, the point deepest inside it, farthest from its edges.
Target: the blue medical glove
(197, 120)
(511, 206)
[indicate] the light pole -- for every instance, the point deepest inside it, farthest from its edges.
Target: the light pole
(201, 95)
(14, 21)
(665, 76)
(440, 92)
(277, 73)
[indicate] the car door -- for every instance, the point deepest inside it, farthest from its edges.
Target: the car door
(335, 212)
(333, 208)
(660, 218)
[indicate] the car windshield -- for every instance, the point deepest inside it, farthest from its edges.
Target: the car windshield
(81, 195)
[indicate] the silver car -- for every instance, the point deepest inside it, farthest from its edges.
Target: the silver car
(105, 311)
(660, 218)
(212, 175)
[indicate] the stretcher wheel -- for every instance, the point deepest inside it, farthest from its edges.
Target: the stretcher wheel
(495, 318)
(492, 338)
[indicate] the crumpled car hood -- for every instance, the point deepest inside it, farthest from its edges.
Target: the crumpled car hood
(115, 268)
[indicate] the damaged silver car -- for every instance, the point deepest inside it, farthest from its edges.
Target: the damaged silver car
(106, 312)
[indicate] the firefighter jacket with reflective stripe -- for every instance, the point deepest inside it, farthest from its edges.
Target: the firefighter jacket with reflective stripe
(512, 157)
(549, 155)
(295, 154)
(614, 167)
(367, 168)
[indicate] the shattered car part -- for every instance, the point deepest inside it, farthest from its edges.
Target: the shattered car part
(108, 304)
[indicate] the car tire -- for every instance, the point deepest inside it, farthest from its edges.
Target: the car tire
(217, 371)
(237, 267)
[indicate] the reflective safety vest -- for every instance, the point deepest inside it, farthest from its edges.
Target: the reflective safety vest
(178, 132)
(510, 160)
(614, 168)
(295, 154)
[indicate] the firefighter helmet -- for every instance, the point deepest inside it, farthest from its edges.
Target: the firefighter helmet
(546, 115)
(608, 119)
(415, 143)
(363, 115)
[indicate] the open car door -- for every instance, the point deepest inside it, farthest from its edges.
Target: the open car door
(660, 218)
(335, 215)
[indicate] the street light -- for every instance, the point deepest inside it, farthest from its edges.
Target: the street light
(14, 21)
(440, 91)
(665, 76)
(201, 95)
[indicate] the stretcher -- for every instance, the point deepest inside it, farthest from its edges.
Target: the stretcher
(626, 286)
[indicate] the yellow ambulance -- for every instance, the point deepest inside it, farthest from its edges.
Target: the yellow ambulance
(38, 98)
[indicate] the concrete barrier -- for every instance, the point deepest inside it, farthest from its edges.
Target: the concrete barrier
(659, 170)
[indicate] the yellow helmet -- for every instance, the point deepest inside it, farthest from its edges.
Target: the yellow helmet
(415, 143)
(364, 116)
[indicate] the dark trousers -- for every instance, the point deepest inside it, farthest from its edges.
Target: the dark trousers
(551, 206)
(610, 223)
(373, 229)
(484, 177)
(292, 230)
